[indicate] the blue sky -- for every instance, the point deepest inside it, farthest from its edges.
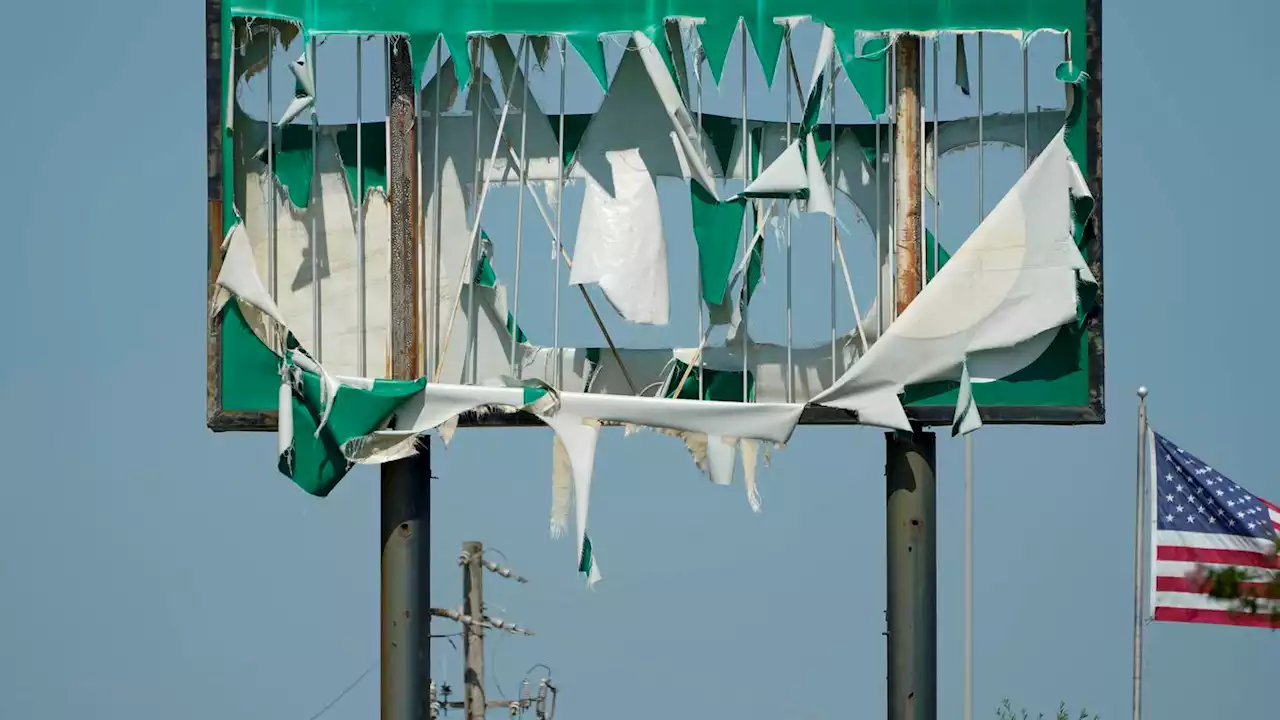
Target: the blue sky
(152, 569)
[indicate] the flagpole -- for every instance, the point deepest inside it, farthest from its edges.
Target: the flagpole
(1138, 573)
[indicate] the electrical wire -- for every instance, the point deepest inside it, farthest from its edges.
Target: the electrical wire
(346, 690)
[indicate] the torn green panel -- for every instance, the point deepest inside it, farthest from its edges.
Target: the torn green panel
(486, 277)
(715, 41)
(962, 66)
(931, 249)
(585, 562)
(374, 140)
(717, 229)
(575, 127)
(867, 73)
(458, 50)
(591, 50)
(768, 37)
(721, 385)
(1057, 378)
(413, 17)
(420, 47)
(755, 271)
(1069, 73)
(316, 464)
(294, 164)
(813, 108)
(250, 370)
(722, 131)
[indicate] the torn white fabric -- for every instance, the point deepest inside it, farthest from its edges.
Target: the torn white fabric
(301, 69)
(239, 276)
(561, 487)
(284, 420)
(966, 418)
(784, 176)
(621, 245)
(750, 453)
(1013, 279)
(722, 453)
(327, 227)
(578, 437)
(826, 45)
(820, 199)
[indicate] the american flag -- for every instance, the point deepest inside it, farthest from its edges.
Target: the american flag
(1204, 520)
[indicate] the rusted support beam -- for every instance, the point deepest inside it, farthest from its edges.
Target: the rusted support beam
(908, 211)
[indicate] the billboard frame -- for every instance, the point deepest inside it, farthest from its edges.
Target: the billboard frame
(1092, 412)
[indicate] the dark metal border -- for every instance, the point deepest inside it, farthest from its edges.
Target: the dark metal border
(1093, 413)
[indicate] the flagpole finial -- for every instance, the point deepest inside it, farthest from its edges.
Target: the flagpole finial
(1142, 392)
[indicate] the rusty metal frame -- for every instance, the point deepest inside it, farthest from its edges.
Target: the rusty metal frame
(1091, 413)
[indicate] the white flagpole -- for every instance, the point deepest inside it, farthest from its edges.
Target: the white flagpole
(1138, 570)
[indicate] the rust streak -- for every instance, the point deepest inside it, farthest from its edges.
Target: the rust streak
(908, 209)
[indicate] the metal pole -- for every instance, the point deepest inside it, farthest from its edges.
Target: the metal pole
(473, 634)
(910, 458)
(406, 484)
(911, 541)
(1138, 555)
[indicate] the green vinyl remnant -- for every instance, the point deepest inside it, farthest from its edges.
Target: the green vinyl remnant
(294, 164)
(584, 22)
(374, 140)
(316, 462)
(487, 278)
(717, 230)
(722, 385)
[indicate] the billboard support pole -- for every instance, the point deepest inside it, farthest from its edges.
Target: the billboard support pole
(910, 458)
(406, 484)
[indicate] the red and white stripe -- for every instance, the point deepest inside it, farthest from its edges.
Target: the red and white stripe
(1179, 561)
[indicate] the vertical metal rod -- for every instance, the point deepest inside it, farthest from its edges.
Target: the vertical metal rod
(560, 163)
(910, 458)
(750, 208)
(880, 223)
(315, 204)
(937, 185)
(473, 634)
(524, 185)
(477, 88)
(835, 237)
(406, 483)
(786, 228)
(968, 439)
(924, 225)
(431, 302)
(361, 280)
(697, 74)
(273, 245)
(1138, 552)
(1026, 111)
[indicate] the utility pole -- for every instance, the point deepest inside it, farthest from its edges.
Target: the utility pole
(473, 639)
(910, 459)
(406, 484)
(475, 622)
